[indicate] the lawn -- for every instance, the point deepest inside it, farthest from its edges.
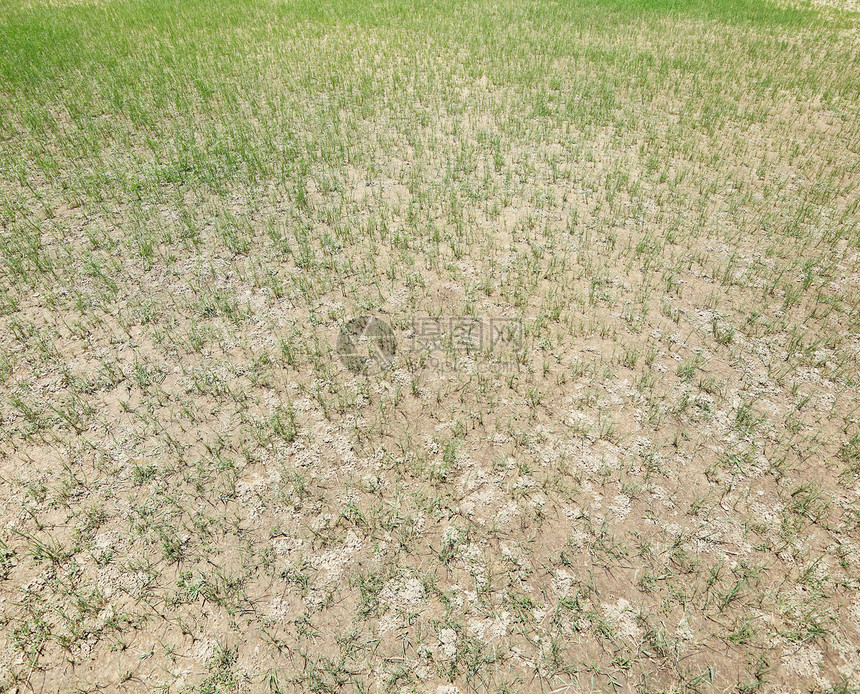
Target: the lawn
(429, 346)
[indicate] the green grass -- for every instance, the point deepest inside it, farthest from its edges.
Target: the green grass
(182, 94)
(654, 489)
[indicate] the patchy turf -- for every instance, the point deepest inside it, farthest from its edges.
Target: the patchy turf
(608, 439)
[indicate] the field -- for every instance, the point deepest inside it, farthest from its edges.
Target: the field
(429, 346)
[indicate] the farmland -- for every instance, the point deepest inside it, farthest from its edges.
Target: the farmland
(429, 346)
